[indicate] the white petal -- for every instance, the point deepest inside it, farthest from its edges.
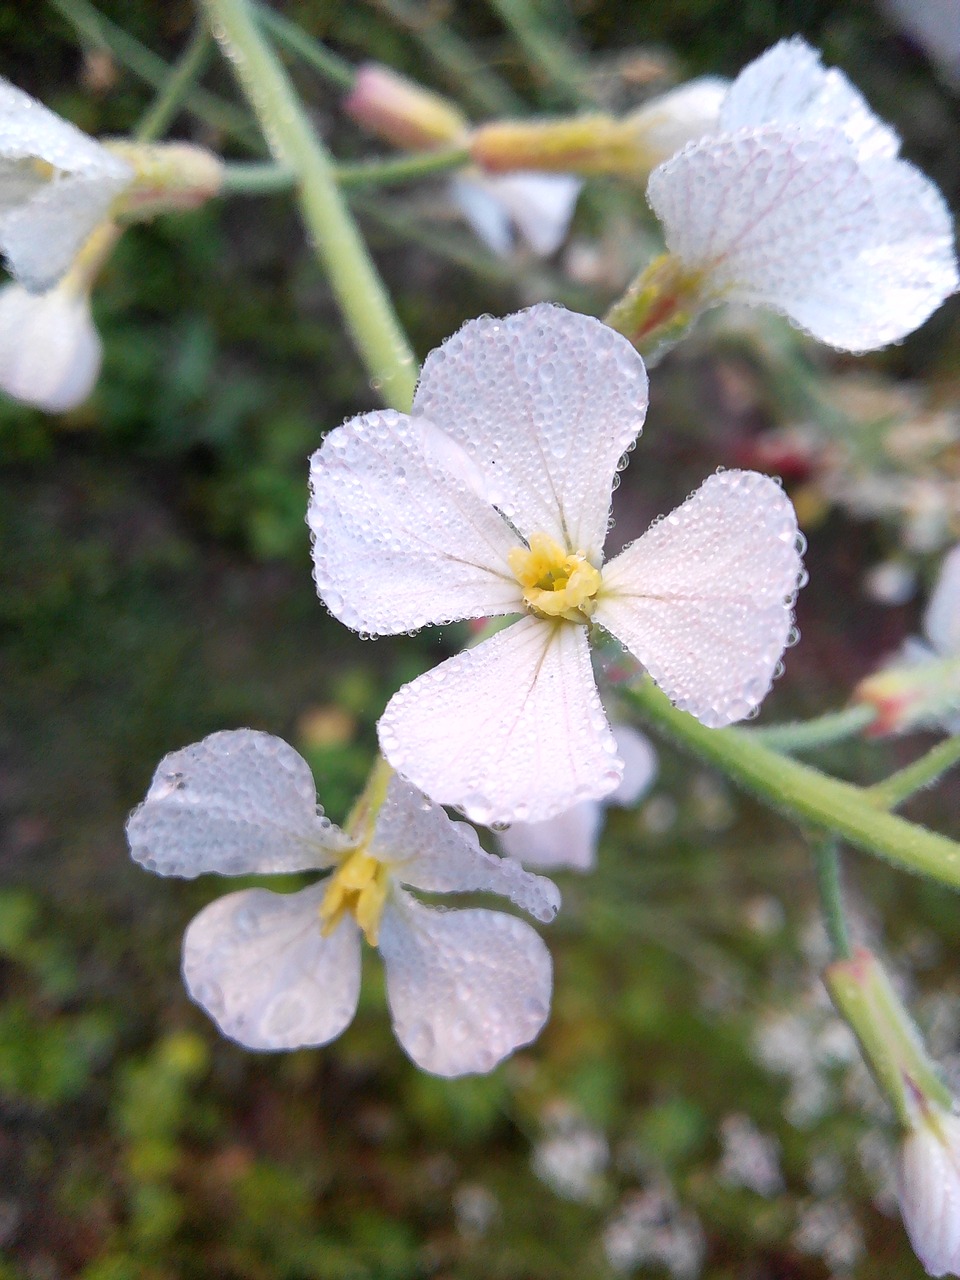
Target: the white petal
(401, 538)
(567, 841)
(511, 731)
(789, 85)
(484, 211)
(540, 204)
(941, 622)
(429, 852)
(258, 964)
(545, 402)
(50, 351)
(466, 988)
(237, 803)
(28, 129)
(683, 115)
(928, 1187)
(704, 598)
(639, 765)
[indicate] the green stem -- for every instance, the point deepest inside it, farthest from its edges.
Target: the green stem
(826, 854)
(922, 773)
(353, 277)
(258, 178)
(295, 40)
(130, 53)
(546, 50)
(801, 793)
(185, 73)
(807, 735)
(382, 173)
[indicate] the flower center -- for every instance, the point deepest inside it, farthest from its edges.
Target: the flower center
(555, 584)
(358, 887)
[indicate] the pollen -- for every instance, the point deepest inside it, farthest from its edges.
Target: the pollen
(556, 583)
(359, 888)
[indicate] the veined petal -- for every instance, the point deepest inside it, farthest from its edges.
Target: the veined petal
(789, 85)
(50, 352)
(545, 402)
(511, 731)
(704, 598)
(466, 988)
(259, 965)
(401, 537)
(427, 851)
(567, 841)
(236, 803)
(941, 622)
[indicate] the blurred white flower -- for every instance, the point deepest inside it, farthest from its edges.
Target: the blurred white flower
(935, 24)
(278, 971)
(493, 498)
(928, 1187)
(50, 351)
(56, 186)
(799, 203)
(570, 839)
(685, 114)
(538, 206)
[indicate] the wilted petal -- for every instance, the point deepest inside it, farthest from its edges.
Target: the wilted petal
(567, 841)
(704, 598)
(941, 622)
(237, 803)
(928, 1187)
(258, 964)
(466, 988)
(50, 351)
(510, 731)
(428, 851)
(545, 402)
(401, 537)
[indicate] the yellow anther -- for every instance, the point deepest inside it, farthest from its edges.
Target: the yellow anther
(358, 886)
(555, 584)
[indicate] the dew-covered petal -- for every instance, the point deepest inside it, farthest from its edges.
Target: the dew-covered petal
(568, 841)
(29, 130)
(545, 402)
(928, 1188)
(466, 988)
(239, 802)
(941, 622)
(789, 85)
(50, 351)
(704, 598)
(258, 964)
(427, 851)
(511, 731)
(401, 535)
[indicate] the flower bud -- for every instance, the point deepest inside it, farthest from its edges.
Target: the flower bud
(401, 111)
(928, 1187)
(167, 175)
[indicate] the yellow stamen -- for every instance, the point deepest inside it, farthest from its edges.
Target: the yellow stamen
(555, 584)
(358, 886)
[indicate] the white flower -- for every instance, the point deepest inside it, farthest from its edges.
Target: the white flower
(50, 351)
(928, 1188)
(799, 203)
(278, 971)
(570, 839)
(538, 205)
(493, 498)
(941, 621)
(56, 186)
(685, 114)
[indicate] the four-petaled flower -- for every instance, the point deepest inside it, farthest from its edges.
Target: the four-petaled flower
(493, 498)
(277, 971)
(800, 203)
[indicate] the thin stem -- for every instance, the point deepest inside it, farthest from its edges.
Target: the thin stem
(295, 40)
(826, 854)
(801, 793)
(130, 53)
(187, 70)
(922, 773)
(383, 173)
(258, 178)
(366, 307)
(807, 735)
(546, 50)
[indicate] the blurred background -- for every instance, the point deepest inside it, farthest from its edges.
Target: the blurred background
(692, 1108)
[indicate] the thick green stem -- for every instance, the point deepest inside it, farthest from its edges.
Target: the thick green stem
(802, 793)
(922, 773)
(358, 289)
(807, 735)
(826, 853)
(183, 77)
(295, 40)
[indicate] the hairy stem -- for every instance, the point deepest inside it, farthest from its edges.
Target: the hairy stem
(807, 735)
(922, 773)
(826, 854)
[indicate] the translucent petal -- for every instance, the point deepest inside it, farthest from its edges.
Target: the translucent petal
(928, 1187)
(511, 731)
(545, 402)
(539, 204)
(430, 852)
(258, 964)
(50, 352)
(639, 766)
(704, 598)
(28, 129)
(486, 214)
(789, 85)
(567, 841)
(41, 238)
(400, 536)
(237, 803)
(941, 622)
(683, 115)
(466, 988)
